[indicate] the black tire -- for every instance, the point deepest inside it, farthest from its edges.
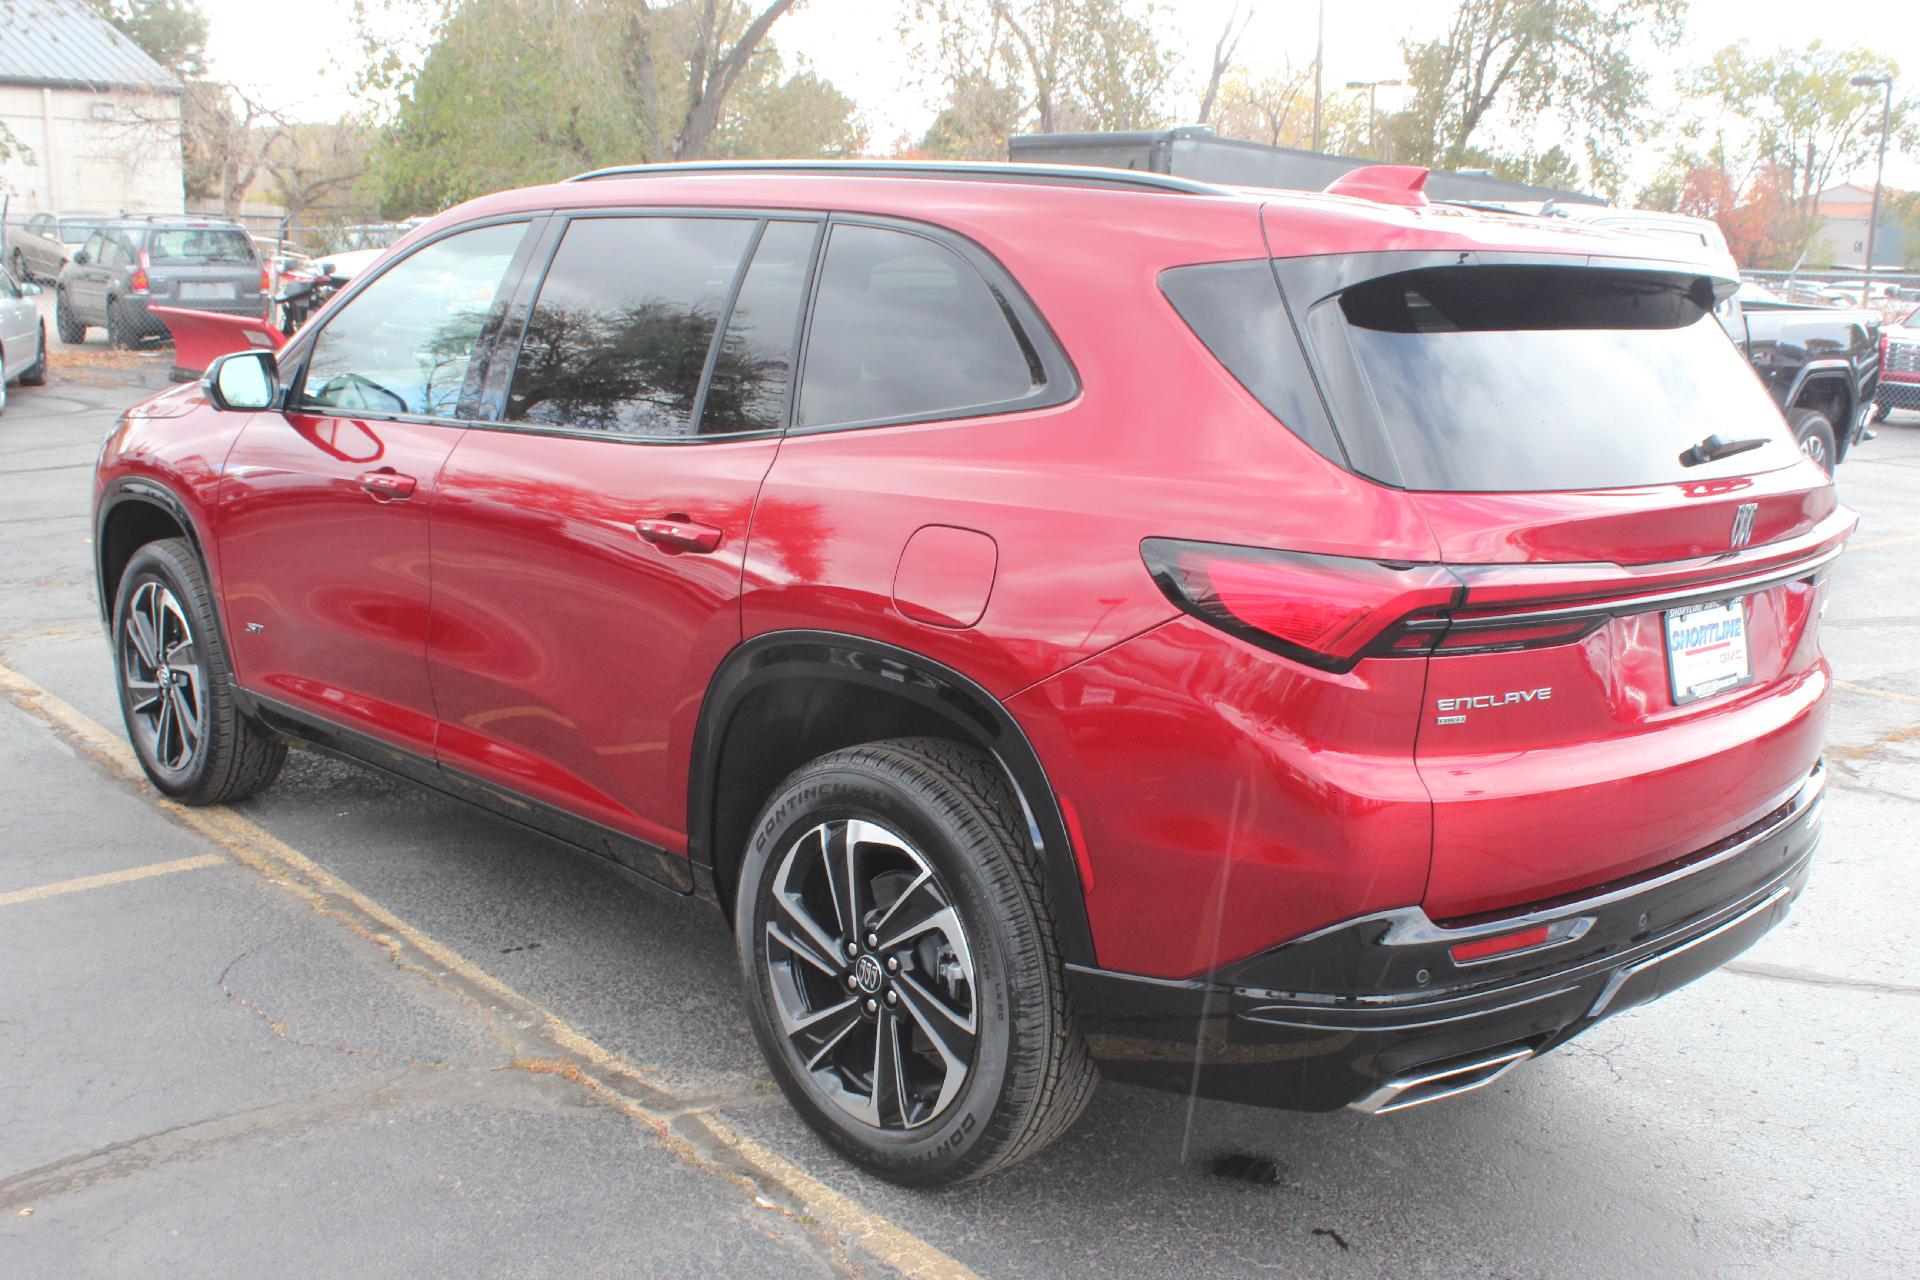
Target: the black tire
(1028, 1075)
(231, 756)
(36, 374)
(1814, 434)
(120, 331)
(20, 268)
(71, 328)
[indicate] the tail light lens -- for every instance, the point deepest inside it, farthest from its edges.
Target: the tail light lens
(140, 282)
(1324, 611)
(1331, 611)
(266, 279)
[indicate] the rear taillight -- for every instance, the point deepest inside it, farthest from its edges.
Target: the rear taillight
(266, 280)
(1324, 611)
(139, 282)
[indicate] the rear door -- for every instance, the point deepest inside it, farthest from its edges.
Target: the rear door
(1631, 669)
(83, 280)
(325, 580)
(19, 325)
(588, 545)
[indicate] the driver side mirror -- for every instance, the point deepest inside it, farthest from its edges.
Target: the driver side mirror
(243, 382)
(29, 290)
(80, 258)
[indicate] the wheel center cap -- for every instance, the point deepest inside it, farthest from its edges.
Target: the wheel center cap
(164, 675)
(867, 972)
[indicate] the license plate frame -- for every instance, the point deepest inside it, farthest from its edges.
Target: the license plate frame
(1718, 661)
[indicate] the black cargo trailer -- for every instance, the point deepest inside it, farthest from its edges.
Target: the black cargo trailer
(1194, 151)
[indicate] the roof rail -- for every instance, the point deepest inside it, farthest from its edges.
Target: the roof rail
(1073, 175)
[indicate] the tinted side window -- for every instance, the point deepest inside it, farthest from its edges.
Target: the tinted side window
(403, 344)
(92, 247)
(751, 373)
(116, 251)
(903, 327)
(1235, 308)
(619, 335)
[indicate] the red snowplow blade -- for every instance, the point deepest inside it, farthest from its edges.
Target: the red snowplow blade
(201, 337)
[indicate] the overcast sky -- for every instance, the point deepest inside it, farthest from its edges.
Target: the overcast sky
(855, 44)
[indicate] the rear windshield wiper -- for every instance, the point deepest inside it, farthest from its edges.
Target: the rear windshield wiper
(1713, 448)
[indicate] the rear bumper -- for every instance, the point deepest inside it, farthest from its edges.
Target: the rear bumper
(1373, 1011)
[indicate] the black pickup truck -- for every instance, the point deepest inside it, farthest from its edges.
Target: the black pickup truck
(1822, 365)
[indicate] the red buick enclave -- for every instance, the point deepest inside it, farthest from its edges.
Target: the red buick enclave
(1315, 649)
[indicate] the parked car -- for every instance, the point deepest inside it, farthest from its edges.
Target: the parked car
(1050, 627)
(37, 248)
(1822, 365)
(1899, 368)
(23, 338)
(127, 264)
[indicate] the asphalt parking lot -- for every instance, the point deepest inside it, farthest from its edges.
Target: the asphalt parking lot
(349, 1027)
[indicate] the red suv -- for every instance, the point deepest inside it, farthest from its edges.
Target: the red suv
(1314, 649)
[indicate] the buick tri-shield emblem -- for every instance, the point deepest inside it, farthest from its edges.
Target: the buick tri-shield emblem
(1743, 525)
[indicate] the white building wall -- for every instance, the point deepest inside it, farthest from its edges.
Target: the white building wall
(92, 152)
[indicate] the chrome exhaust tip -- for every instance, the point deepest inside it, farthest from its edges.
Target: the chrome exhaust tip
(1450, 1080)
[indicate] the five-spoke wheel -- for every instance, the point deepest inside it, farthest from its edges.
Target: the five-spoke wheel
(872, 974)
(160, 670)
(176, 687)
(901, 963)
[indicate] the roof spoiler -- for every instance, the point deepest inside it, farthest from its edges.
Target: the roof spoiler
(1401, 184)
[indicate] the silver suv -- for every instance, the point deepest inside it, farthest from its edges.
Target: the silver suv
(129, 264)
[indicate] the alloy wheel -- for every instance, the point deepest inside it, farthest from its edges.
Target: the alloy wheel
(161, 672)
(872, 974)
(1814, 448)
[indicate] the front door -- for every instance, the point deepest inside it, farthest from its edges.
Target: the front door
(588, 548)
(324, 507)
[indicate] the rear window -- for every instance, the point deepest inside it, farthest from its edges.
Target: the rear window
(73, 232)
(1505, 377)
(228, 246)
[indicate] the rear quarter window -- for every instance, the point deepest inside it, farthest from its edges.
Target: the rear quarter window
(905, 329)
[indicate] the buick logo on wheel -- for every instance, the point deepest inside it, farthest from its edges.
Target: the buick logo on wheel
(866, 971)
(1743, 525)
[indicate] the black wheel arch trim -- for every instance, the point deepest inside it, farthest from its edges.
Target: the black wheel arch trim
(976, 714)
(144, 491)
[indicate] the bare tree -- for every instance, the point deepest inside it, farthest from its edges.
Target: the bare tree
(1223, 52)
(714, 67)
(226, 137)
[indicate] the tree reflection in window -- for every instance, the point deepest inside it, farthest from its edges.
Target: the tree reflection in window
(404, 344)
(619, 337)
(748, 391)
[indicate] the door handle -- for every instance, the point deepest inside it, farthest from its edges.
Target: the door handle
(387, 485)
(676, 533)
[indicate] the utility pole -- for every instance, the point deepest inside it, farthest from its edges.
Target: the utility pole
(1879, 172)
(1373, 88)
(1319, 59)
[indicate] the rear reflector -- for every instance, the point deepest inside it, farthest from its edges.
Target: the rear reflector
(1500, 945)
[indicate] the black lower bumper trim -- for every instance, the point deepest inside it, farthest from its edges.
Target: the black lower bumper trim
(1323, 1022)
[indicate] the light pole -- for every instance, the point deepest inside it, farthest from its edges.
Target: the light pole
(1879, 171)
(1373, 88)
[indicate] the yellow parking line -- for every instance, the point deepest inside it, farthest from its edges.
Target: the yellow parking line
(1888, 694)
(1884, 542)
(696, 1135)
(131, 874)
